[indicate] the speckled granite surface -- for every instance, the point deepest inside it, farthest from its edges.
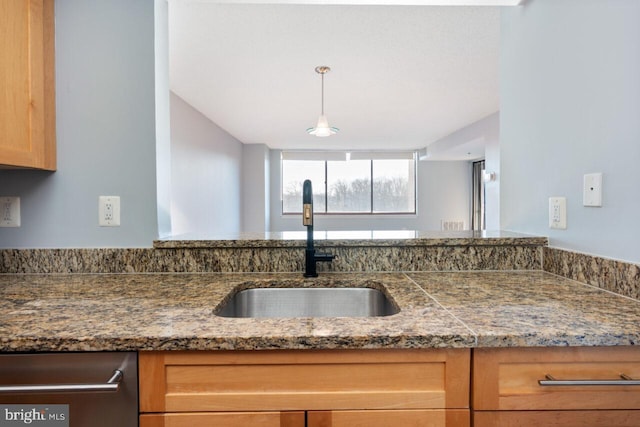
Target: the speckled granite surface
(506, 252)
(167, 312)
(615, 276)
(175, 311)
(522, 309)
(396, 238)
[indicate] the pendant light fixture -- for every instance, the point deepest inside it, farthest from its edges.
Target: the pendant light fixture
(322, 127)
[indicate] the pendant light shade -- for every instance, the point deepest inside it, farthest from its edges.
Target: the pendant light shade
(322, 128)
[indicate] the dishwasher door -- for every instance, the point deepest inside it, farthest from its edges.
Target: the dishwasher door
(100, 389)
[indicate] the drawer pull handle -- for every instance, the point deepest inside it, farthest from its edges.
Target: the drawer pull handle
(625, 380)
(112, 384)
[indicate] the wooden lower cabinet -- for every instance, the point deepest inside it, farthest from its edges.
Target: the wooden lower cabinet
(365, 418)
(506, 389)
(390, 388)
(396, 418)
(224, 419)
(338, 388)
(556, 418)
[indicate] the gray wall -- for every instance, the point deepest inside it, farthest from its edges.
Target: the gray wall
(105, 133)
(570, 105)
(163, 117)
(443, 194)
(487, 132)
(255, 188)
(206, 174)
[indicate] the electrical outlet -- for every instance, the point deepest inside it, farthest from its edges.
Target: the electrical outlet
(558, 213)
(451, 225)
(109, 211)
(9, 211)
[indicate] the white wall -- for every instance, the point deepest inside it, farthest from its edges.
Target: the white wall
(163, 118)
(443, 194)
(206, 174)
(481, 137)
(492, 164)
(570, 105)
(105, 133)
(255, 188)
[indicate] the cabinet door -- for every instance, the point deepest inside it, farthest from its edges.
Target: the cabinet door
(556, 418)
(508, 379)
(304, 380)
(404, 418)
(27, 105)
(224, 419)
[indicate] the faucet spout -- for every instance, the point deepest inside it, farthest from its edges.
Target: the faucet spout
(310, 254)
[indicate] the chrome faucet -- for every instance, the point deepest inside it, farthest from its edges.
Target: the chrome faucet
(310, 254)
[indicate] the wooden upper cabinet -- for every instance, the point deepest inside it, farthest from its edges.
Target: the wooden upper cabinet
(27, 86)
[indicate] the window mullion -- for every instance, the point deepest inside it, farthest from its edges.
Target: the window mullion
(326, 188)
(371, 179)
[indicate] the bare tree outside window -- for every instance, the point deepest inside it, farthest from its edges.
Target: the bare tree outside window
(394, 186)
(293, 175)
(373, 186)
(349, 186)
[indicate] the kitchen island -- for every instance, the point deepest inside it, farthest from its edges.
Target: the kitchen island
(101, 312)
(479, 325)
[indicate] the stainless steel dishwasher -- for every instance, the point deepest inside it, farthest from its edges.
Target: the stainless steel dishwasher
(69, 389)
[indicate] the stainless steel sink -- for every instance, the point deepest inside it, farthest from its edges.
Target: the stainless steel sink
(308, 302)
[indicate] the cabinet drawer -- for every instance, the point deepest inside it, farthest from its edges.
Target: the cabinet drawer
(404, 418)
(224, 419)
(507, 379)
(556, 419)
(303, 380)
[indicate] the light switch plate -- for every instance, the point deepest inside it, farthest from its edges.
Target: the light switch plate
(592, 190)
(558, 213)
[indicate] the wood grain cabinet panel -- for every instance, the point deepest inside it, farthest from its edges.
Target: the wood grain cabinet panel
(507, 379)
(224, 419)
(304, 380)
(403, 418)
(556, 419)
(341, 388)
(27, 95)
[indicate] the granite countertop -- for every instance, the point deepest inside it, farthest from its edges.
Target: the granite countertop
(81, 312)
(396, 238)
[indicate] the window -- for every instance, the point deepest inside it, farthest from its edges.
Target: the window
(478, 220)
(350, 183)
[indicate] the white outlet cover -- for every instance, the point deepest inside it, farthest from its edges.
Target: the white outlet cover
(109, 211)
(558, 213)
(9, 211)
(592, 190)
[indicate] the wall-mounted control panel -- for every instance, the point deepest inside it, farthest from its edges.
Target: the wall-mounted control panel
(558, 213)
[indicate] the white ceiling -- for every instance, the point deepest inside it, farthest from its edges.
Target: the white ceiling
(402, 76)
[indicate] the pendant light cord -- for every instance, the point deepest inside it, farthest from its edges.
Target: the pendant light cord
(322, 95)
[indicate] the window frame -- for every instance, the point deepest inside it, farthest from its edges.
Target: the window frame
(371, 212)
